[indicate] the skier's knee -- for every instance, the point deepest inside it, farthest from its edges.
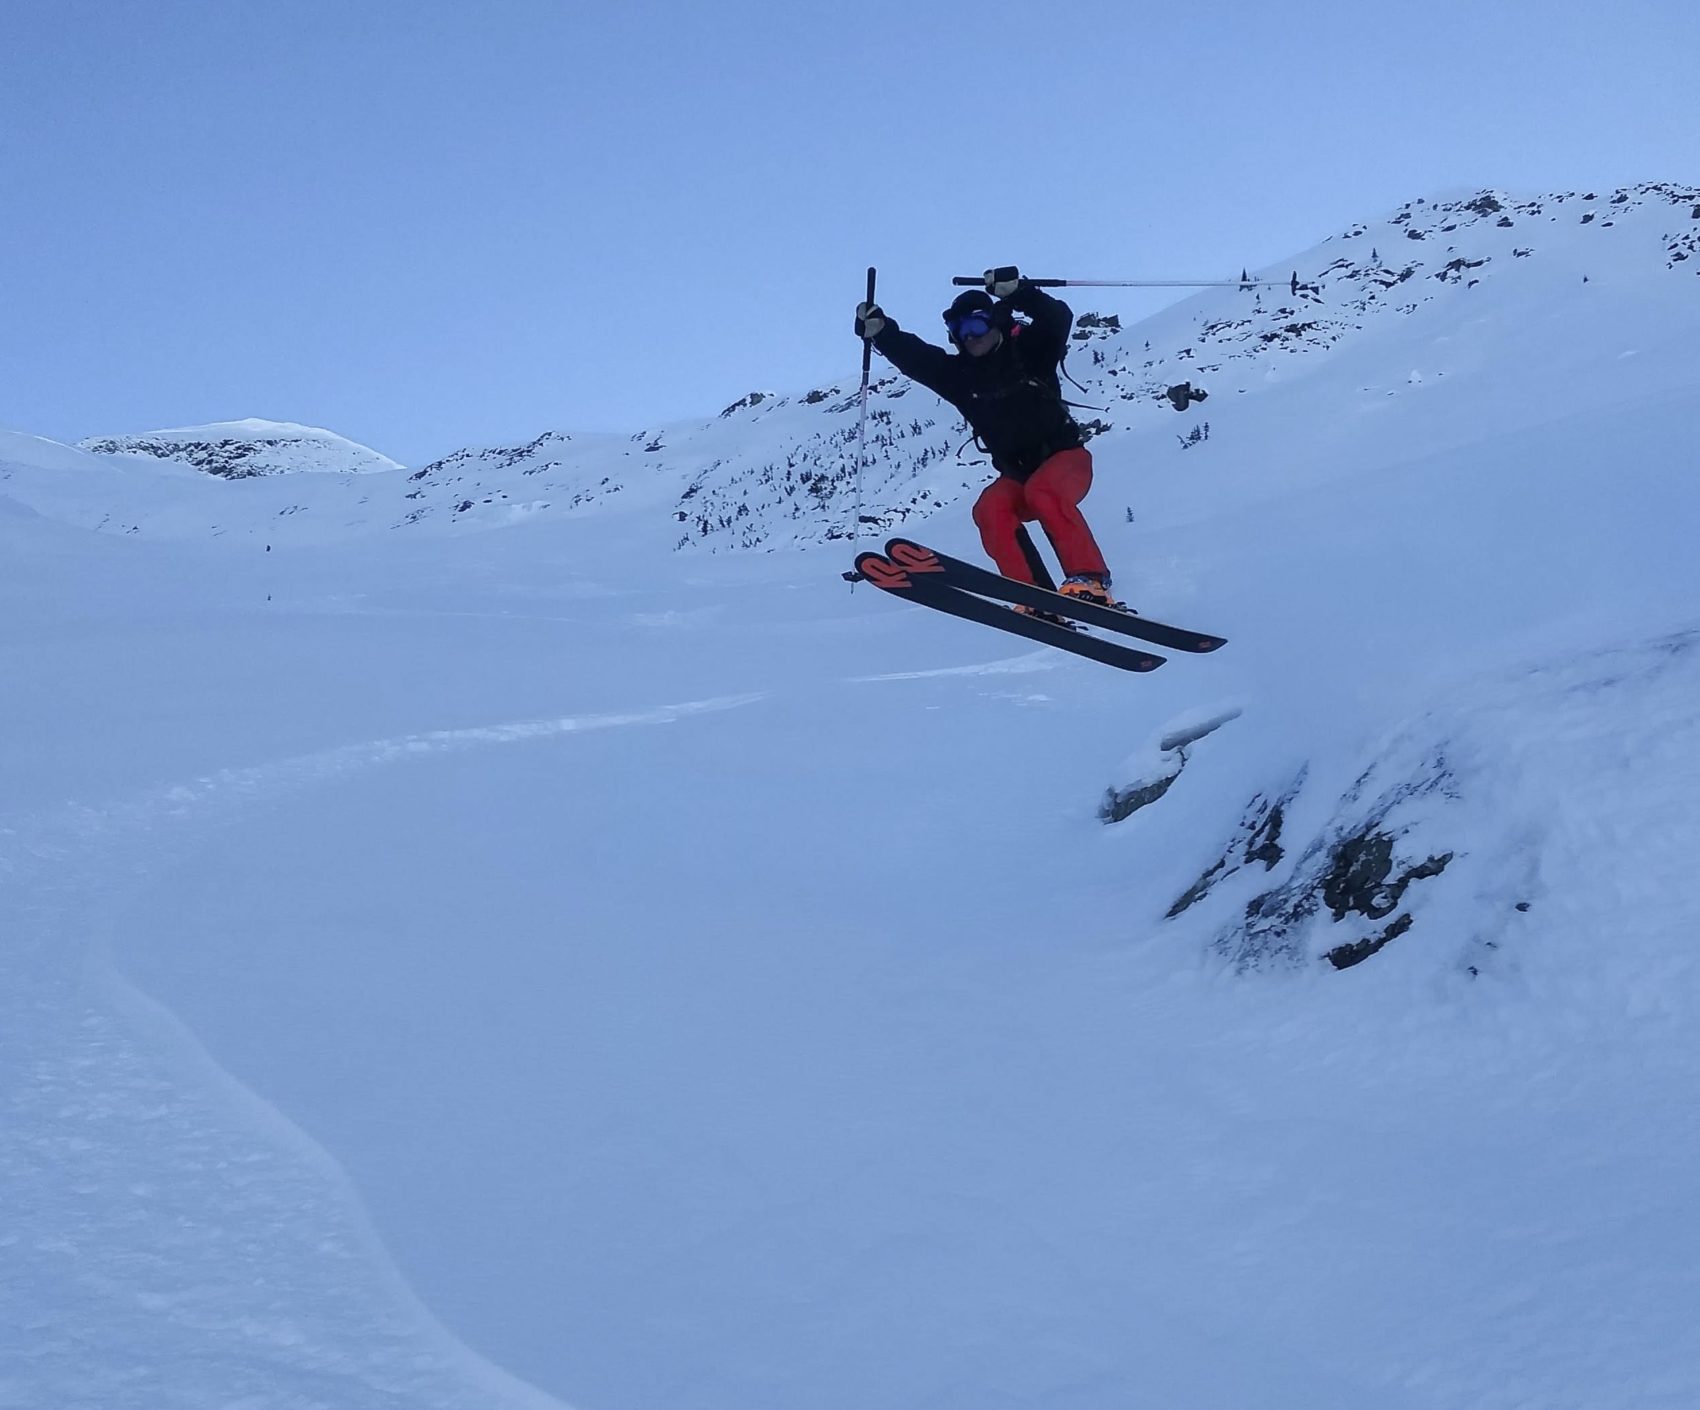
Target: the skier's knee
(1046, 504)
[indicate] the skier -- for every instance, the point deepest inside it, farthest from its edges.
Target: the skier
(1003, 379)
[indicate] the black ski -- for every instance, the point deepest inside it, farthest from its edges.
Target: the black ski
(929, 589)
(929, 563)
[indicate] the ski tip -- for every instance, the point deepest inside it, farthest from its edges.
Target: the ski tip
(913, 557)
(879, 570)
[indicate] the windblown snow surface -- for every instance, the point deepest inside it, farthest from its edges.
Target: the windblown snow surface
(499, 959)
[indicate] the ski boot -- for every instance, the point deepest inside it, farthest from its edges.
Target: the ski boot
(1094, 588)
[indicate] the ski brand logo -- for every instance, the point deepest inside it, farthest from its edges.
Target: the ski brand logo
(893, 573)
(913, 557)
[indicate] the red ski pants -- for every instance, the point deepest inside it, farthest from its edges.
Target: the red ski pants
(1051, 495)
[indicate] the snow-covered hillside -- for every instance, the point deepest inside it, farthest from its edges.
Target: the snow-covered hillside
(506, 932)
(240, 450)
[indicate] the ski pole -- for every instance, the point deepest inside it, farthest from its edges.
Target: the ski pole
(971, 281)
(862, 422)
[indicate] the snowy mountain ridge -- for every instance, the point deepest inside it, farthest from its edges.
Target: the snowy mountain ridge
(240, 450)
(771, 470)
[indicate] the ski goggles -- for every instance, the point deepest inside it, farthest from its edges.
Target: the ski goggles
(974, 324)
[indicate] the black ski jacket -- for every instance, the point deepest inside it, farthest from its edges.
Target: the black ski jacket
(1012, 397)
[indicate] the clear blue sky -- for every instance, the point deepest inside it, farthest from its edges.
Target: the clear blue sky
(428, 224)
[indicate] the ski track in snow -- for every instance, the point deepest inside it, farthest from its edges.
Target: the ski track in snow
(144, 1154)
(44, 860)
(1028, 664)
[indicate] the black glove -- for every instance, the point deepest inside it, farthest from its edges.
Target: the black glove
(1002, 281)
(870, 320)
(1185, 394)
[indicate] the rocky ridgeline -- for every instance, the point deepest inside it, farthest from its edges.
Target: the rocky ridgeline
(499, 475)
(804, 488)
(228, 459)
(772, 470)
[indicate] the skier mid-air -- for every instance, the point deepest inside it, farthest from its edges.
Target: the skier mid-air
(1003, 379)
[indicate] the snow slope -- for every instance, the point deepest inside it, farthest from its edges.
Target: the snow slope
(715, 988)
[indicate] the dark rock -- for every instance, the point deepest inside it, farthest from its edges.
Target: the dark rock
(1257, 839)
(1345, 956)
(1359, 878)
(745, 403)
(1264, 844)
(1124, 803)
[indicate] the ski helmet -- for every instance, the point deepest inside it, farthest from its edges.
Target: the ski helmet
(967, 306)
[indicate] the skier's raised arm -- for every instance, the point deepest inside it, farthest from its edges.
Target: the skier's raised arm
(1052, 319)
(910, 355)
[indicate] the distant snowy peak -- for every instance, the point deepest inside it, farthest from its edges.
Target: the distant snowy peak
(240, 450)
